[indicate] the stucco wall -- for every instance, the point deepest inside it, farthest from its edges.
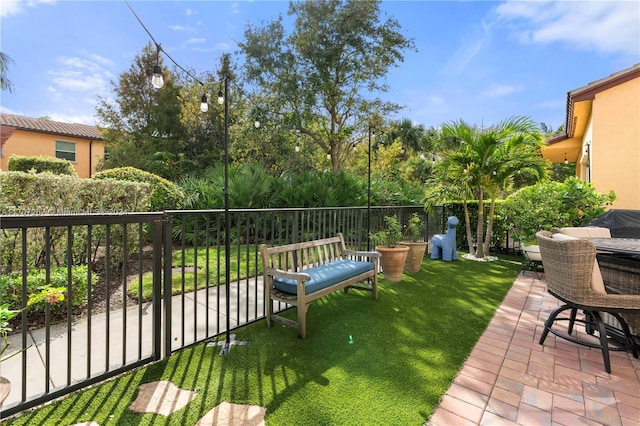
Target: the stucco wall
(615, 147)
(24, 142)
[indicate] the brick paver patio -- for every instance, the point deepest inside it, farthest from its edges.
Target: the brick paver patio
(510, 379)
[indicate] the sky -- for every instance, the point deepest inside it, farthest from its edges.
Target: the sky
(477, 61)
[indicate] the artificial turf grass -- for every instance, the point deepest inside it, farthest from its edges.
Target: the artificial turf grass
(407, 348)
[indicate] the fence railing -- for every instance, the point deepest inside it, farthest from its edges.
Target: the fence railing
(142, 286)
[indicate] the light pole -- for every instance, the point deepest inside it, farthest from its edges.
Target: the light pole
(369, 193)
(227, 217)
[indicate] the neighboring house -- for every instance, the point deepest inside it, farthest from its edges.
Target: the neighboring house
(78, 143)
(603, 136)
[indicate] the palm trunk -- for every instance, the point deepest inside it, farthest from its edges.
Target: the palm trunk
(480, 231)
(467, 226)
(487, 238)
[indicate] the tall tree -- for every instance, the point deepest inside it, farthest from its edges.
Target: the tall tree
(318, 77)
(5, 83)
(142, 123)
(478, 164)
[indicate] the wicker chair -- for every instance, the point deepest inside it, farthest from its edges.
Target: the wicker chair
(569, 266)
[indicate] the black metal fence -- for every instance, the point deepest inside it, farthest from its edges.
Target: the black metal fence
(151, 284)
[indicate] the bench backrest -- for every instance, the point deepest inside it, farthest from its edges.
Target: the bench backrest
(298, 256)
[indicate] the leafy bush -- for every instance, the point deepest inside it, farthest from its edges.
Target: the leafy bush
(316, 189)
(11, 287)
(40, 164)
(47, 193)
(390, 235)
(553, 204)
(165, 195)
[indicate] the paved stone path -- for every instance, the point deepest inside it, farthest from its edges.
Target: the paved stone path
(165, 398)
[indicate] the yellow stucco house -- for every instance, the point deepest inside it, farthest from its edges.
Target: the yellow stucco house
(79, 143)
(603, 136)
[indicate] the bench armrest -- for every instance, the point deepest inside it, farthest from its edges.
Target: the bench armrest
(279, 273)
(370, 254)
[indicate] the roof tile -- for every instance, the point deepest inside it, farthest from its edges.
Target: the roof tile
(47, 126)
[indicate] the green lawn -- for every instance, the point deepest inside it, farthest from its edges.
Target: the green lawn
(213, 266)
(407, 348)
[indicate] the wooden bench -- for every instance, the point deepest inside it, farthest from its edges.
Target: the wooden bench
(297, 274)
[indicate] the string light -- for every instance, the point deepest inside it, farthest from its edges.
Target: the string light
(204, 107)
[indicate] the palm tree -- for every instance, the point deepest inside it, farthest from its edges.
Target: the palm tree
(480, 163)
(5, 84)
(411, 136)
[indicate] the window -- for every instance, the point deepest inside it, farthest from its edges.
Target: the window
(66, 150)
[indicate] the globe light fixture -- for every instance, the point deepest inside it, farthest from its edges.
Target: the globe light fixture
(204, 106)
(157, 80)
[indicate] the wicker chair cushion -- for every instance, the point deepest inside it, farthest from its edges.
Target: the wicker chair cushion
(597, 283)
(586, 231)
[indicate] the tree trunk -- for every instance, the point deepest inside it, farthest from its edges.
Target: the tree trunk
(487, 239)
(467, 226)
(480, 231)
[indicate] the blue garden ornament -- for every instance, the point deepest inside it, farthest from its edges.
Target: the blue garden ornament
(443, 246)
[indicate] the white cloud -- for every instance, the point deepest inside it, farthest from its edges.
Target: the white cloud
(196, 40)
(604, 26)
(469, 49)
(9, 7)
(73, 118)
(552, 104)
(182, 28)
(437, 100)
(13, 7)
(499, 90)
(88, 73)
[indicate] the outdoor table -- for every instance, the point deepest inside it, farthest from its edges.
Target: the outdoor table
(617, 245)
(619, 262)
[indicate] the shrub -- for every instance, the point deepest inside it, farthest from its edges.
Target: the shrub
(28, 164)
(46, 193)
(11, 287)
(553, 204)
(165, 195)
(390, 235)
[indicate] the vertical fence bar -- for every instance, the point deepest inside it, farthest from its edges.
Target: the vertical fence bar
(89, 298)
(24, 314)
(125, 268)
(157, 307)
(70, 296)
(195, 277)
(47, 312)
(166, 292)
(107, 299)
(140, 266)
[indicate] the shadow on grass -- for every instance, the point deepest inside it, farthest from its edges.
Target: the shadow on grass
(405, 349)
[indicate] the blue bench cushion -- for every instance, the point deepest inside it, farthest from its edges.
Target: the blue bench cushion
(324, 275)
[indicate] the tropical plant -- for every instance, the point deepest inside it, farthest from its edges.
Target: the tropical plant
(5, 83)
(390, 235)
(482, 163)
(552, 204)
(44, 294)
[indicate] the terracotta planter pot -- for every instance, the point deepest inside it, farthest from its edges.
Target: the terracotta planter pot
(5, 389)
(392, 261)
(415, 256)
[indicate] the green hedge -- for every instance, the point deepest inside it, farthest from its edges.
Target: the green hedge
(41, 164)
(47, 193)
(165, 195)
